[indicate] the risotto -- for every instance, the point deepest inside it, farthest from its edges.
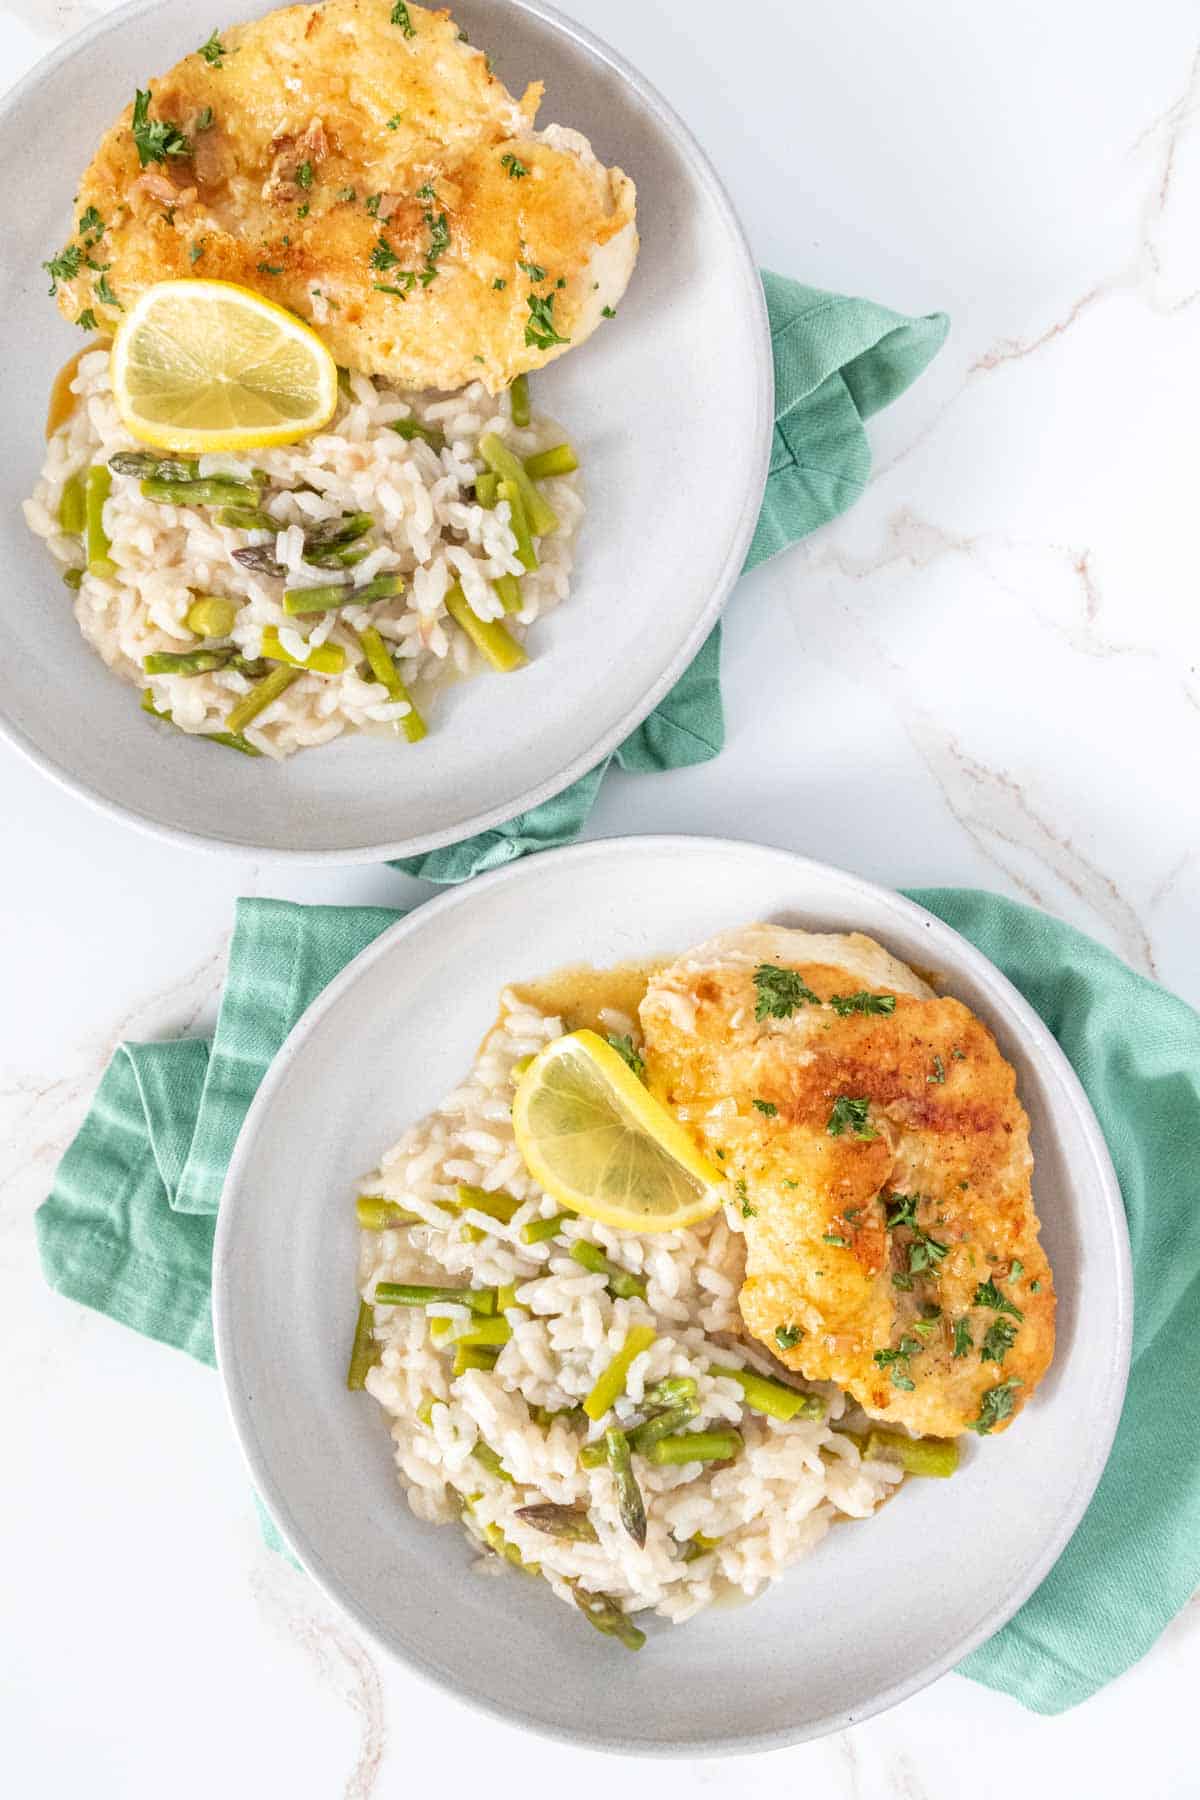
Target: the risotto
(353, 572)
(493, 1401)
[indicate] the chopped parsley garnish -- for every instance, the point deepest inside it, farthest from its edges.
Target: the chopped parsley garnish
(988, 1294)
(957, 1055)
(400, 16)
(833, 1237)
(788, 1336)
(996, 1404)
(748, 1211)
(64, 266)
(304, 174)
(939, 1071)
(1016, 1271)
(1035, 1287)
(265, 268)
(105, 295)
(897, 1361)
(766, 1106)
(534, 271)
(903, 1282)
(628, 1055)
(155, 139)
(91, 226)
(962, 1338)
(540, 329)
(790, 1184)
(845, 1004)
(439, 236)
(346, 193)
(302, 212)
(213, 51)
(371, 203)
(901, 1209)
(383, 256)
(924, 1253)
(393, 123)
(850, 1114)
(780, 992)
(196, 251)
(401, 293)
(608, 312)
(515, 167)
(499, 283)
(87, 320)
(998, 1341)
(203, 120)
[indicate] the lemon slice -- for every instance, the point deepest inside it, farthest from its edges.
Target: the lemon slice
(600, 1144)
(208, 366)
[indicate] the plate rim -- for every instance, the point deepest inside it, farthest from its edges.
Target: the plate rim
(1111, 1222)
(756, 479)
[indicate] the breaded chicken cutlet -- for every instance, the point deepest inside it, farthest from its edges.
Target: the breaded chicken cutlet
(359, 162)
(875, 1140)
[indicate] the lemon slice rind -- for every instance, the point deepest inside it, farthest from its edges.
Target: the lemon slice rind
(209, 366)
(600, 1143)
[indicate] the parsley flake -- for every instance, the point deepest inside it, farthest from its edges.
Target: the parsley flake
(608, 312)
(383, 256)
(346, 193)
(897, 1361)
(371, 203)
(266, 268)
(998, 1341)
(862, 1002)
(988, 1294)
(625, 1050)
(196, 251)
(780, 992)
(203, 120)
(304, 174)
(393, 124)
(1016, 1271)
(939, 1071)
(401, 17)
(87, 320)
(1035, 1287)
(766, 1106)
(788, 1336)
(302, 212)
(213, 51)
(901, 1209)
(833, 1237)
(499, 283)
(105, 295)
(540, 329)
(850, 1114)
(155, 139)
(515, 167)
(924, 1253)
(996, 1404)
(748, 1211)
(962, 1338)
(64, 266)
(91, 226)
(534, 271)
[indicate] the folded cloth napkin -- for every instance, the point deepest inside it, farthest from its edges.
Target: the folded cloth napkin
(128, 1230)
(837, 361)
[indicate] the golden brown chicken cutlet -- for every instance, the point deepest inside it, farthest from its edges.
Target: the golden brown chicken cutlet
(359, 163)
(880, 1155)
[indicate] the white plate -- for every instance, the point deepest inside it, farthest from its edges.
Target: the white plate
(670, 407)
(880, 1608)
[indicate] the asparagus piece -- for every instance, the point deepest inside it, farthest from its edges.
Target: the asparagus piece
(699, 1546)
(383, 668)
(263, 694)
(518, 519)
(611, 1384)
(593, 1456)
(97, 488)
(425, 1410)
(375, 1213)
(485, 1334)
(916, 1456)
(337, 531)
(673, 1390)
(772, 1397)
(621, 1284)
(260, 559)
(146, 463)
(72, 506)
(324, 659)
(630, 1505)
(696, 1446)
(496, 454)
(231, 740)
(536, 1231)
(603, 1612)
(488, 635)
(508, 587)
(489, 1459)
(506, 1296)
(561, 460)
(73, 578)
(211, 616)
(247, 518)
(185, 662)
(518, 400)
(486, 486)
(666, 1424)
(217, 491)
(498, 1205)
(568, 1522)
(472, 1356)
(413, 428)
(405, 1293)
(324, 599)
(366, 1351)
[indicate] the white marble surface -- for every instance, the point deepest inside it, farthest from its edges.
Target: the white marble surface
(987, 674)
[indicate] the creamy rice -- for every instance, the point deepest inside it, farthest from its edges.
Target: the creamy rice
(767, 1508)
(429, 529)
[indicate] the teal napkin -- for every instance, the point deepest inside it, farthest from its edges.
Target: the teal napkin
(837, 361)
(128, 1230)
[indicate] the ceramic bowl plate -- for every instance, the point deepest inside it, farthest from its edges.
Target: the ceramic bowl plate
(879, 1609)
(670, 404)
